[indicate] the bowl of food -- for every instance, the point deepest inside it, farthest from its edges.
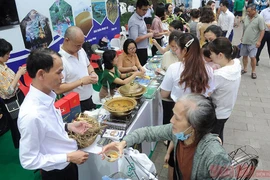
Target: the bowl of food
(120, 106)
(111, 155)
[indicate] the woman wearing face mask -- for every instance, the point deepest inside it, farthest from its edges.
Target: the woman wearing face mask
(227, 80)
(111, 76)
(198, 153)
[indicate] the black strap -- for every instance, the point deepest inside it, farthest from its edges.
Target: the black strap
(177, 169)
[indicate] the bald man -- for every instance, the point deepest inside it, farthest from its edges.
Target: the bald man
(78, 74)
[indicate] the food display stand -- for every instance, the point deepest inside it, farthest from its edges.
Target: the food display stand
(150, 113)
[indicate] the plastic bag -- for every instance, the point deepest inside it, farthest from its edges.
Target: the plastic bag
(116, 176)
(137, 165)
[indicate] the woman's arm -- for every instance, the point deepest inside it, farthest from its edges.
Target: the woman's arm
(165, 94)
(8, 90)
(138, 64)
(20, 72)
(129, 77)
(160, 49)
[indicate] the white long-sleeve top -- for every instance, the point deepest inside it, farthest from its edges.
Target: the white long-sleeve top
(227, 81)
(44, 143)
(226, 21)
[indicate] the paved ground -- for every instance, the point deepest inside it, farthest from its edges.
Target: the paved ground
(249, 122)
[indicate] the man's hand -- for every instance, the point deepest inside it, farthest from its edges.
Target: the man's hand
(89, 80)
(77, 157)
(258, 44)
(79, 127)
(150, 35)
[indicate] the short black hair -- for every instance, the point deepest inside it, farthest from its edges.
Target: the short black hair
(176, 10)
(195, 13)
(5, 47)
(177, 24)
(108, 57)
(141, 3)
(225, 3)
(174, 35)
(214, 29)
(160, 10)
(209, 3)
(126, 43)
(40, 59)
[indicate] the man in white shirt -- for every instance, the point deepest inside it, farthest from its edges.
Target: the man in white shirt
(44, 142)
(78, 74)
(226, 20)
(266, 38)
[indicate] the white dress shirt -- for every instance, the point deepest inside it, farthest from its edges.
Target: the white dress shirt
(266, 16)
(226, 21)
(44, 143)
(74, 69)
(172, 78)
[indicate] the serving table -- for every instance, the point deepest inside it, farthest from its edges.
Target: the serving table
(150, 113)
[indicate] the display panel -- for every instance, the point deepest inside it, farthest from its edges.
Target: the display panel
(8, 13)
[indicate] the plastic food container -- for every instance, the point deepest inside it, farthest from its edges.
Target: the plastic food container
(111, 155)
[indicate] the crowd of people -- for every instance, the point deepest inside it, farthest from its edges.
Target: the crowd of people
(198, 91)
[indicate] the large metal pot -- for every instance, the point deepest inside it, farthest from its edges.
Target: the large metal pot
(120, 106)
(132, 90)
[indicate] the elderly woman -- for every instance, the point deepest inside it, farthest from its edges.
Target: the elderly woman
(198, 153)
(9, 88)
(128, 61)
(111, 76)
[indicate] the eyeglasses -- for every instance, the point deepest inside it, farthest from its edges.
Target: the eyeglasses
(144, 9)
(132, 49)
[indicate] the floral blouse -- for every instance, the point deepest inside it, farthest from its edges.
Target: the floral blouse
(6, 78)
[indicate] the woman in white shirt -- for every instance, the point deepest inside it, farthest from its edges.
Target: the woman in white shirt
(189, 76)
(227, 80)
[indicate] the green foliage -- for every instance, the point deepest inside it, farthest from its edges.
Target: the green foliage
(124, 18)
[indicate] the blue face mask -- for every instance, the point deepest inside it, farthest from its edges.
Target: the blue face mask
(181, 136)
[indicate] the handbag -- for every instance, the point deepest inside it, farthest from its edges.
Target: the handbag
(137, 165)
(13, 107)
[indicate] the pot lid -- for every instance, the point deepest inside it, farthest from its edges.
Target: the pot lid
(131, 88)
